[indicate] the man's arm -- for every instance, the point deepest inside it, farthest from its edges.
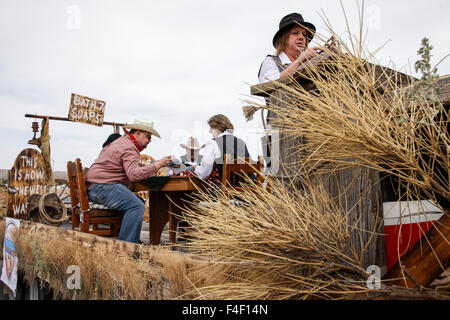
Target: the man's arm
(210, 153)
(135, 172)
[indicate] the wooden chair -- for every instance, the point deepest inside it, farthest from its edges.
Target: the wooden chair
(85, 213)
(233, 171)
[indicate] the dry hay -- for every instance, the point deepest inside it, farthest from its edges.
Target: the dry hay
(361, 114)
(355, 125)
(105, 274)
(276, 245)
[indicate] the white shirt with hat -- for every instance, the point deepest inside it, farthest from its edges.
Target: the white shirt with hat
(269, 68)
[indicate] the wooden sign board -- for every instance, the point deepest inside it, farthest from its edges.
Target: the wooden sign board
(27, 177)
(86, 110)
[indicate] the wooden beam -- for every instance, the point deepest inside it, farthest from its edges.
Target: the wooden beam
(384, 75)
(442, 84)
(426, 260)
(67, 119)
(263, 89)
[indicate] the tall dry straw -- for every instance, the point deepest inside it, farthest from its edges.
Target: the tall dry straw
(105, 274)
(272, 245)
(362, 114)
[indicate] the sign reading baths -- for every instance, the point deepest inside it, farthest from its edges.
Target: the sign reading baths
(86, 110)
(26, 177)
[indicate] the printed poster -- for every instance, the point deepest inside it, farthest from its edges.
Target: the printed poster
(10, 260)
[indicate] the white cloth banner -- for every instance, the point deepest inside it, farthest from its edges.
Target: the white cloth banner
(10, 260)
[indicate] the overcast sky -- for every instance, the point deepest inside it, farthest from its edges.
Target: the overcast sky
(176, 62)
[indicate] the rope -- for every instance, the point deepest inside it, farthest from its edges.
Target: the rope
(45, 217)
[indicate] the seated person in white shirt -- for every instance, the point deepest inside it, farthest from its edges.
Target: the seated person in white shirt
(291, 44)
(224, 142)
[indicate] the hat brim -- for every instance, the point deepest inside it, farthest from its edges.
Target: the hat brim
(142, 128)
(310, 29)
(186, 147)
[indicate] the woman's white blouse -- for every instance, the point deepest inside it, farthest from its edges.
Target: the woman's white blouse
(269, 69)
(210, 153)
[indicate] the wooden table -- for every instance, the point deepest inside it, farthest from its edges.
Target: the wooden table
(177, 190)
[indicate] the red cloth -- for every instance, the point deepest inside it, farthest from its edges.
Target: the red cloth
(136, 143)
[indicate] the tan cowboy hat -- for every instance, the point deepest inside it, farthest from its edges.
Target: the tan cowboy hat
(143, 124)
(192, 143)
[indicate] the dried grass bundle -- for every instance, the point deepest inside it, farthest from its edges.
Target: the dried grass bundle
(249, 111)
(362, 114)
(104, 274)
(279, 245)
(350, 119)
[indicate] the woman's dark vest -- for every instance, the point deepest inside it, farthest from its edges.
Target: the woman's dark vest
(277, 60)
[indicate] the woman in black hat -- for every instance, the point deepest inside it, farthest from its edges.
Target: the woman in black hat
(291, 44)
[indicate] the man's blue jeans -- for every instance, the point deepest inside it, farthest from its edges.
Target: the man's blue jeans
(119, 197)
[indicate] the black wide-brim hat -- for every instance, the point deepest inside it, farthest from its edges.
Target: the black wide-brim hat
(291, 20)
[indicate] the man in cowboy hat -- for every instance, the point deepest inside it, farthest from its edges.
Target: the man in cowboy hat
(192, 156)
(291, 44)
(118, 165)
